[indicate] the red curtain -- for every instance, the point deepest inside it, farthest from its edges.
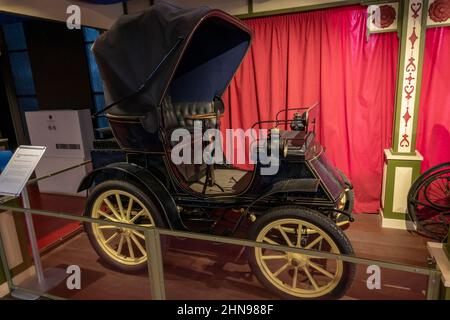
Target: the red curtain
(433, 137)
(298, 59)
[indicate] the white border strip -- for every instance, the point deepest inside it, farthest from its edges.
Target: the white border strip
(395, 223)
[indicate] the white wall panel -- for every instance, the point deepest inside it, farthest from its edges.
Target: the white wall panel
(403, 180)
(100, 16)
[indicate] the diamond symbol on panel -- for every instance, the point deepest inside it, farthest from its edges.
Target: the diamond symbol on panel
(413, 38)
(406, 116)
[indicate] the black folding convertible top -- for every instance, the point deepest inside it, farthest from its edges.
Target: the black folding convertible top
(197, 50)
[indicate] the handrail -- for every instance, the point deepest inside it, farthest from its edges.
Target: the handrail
(31, 181)
(152, 241)
(228, 240)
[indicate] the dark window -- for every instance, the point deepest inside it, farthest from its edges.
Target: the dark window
(89, 36)
(20, 66)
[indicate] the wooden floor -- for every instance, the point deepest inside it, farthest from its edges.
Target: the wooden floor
(50, 230)
(200, 270)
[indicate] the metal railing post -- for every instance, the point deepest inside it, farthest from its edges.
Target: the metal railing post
(434, 285)
(155, 264)
(32, 238)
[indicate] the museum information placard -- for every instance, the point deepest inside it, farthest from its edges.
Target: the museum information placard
(19, 169)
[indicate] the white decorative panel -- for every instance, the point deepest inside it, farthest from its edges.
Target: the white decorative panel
(438, 13)
(410, 74)
(382, 17)
(403, 180)
(269, 5)
(233, 7)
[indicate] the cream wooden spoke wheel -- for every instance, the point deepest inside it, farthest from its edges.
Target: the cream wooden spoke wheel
(298, 274)
(124, 245)
(126, 203)
(295, 275)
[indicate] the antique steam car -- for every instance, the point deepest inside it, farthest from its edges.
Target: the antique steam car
(166, 69)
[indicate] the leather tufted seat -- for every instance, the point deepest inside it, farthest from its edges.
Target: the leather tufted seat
(175, 113)
(175, 117)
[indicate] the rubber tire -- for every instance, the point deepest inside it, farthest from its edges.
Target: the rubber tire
(412, 195)
(316, 218)
(138, 193)
(350, 193)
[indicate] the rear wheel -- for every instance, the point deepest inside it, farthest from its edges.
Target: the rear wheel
(121, 201)
(299, 276)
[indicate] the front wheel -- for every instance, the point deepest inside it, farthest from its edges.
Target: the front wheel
(299, 276)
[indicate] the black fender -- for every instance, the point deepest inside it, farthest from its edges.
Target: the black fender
(291, 185)
(154, 187)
